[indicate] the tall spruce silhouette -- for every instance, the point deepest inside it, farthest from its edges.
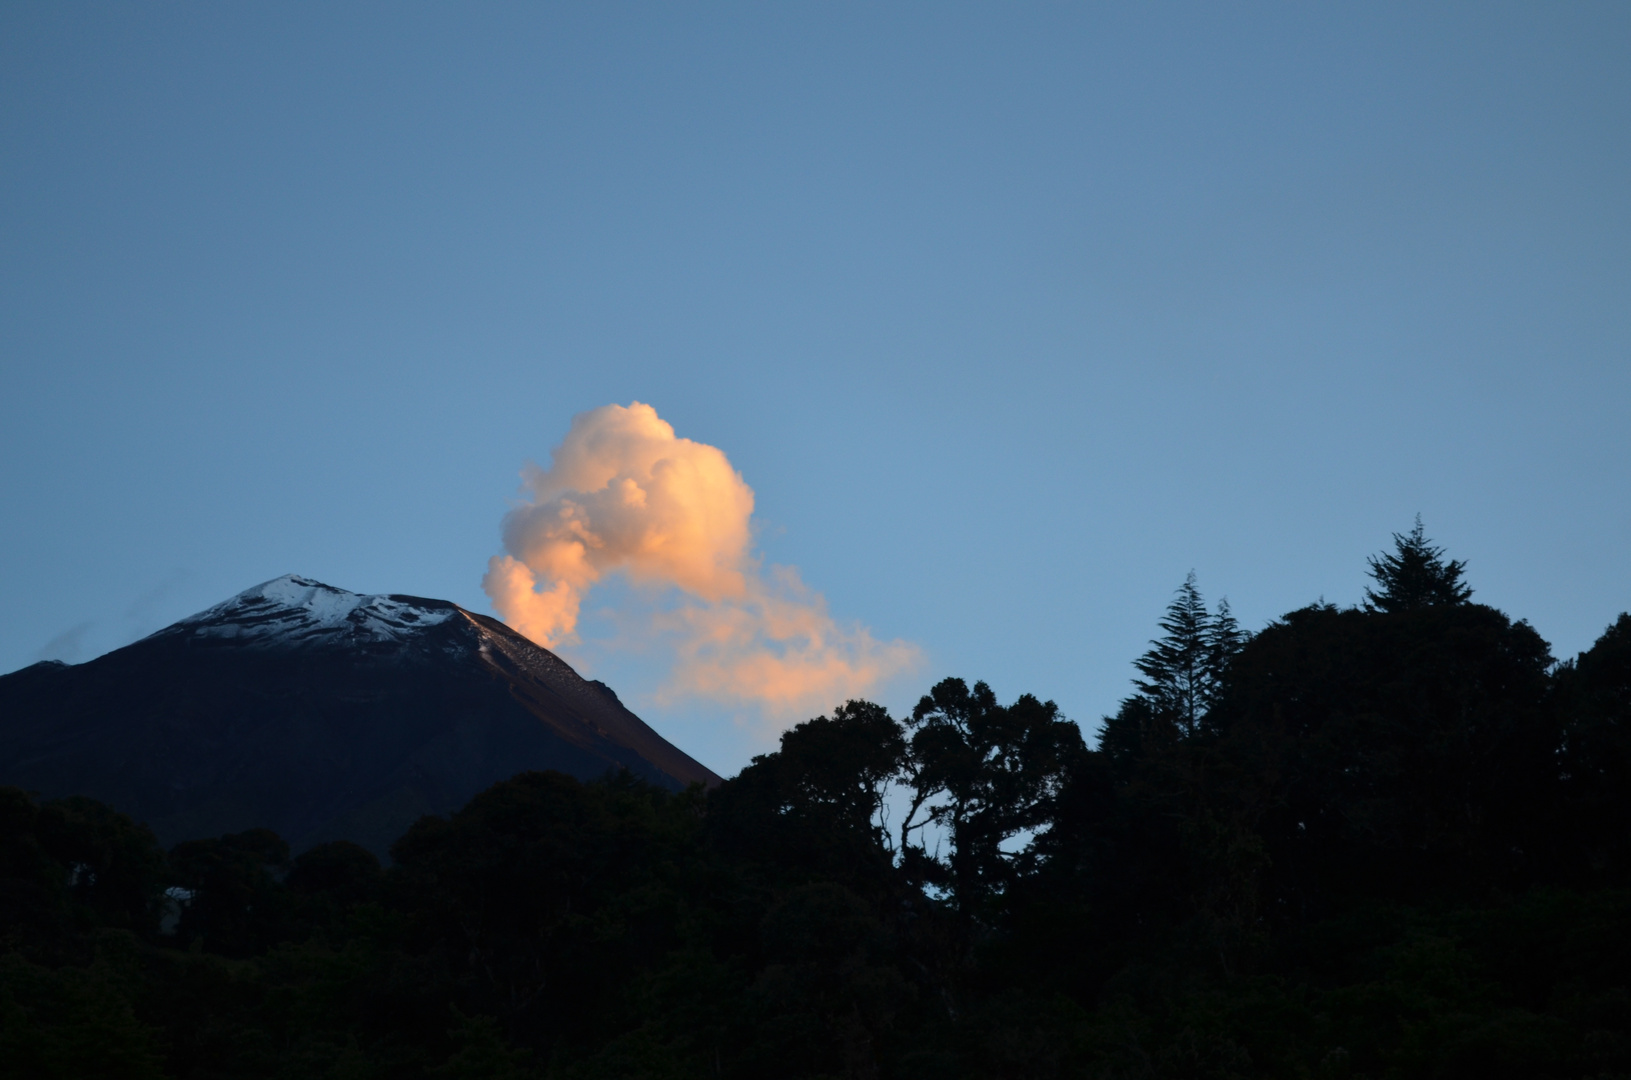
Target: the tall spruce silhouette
(1183, 669)
(1224, 638)
(1414, 575)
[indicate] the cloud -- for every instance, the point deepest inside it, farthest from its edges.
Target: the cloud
(778, 648)
(624, 495)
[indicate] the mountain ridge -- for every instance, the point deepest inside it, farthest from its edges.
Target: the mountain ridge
(317, 712)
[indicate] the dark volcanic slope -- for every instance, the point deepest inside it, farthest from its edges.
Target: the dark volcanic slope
(318, 713)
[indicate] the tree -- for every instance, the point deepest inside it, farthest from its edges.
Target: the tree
(813, 808)
(1384, 756)
(235, 901)
(985, 773)
(1593, 695)
(1224, 638)
(539, 902)
(1184, 668)
(1414, 576)
(1175, 668)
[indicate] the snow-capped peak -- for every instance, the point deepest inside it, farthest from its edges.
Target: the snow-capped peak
(293, 610)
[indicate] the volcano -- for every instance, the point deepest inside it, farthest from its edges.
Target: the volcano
(319, 713)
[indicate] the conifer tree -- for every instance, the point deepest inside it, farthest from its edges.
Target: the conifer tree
(1224, 638)
(1176, 669)
(1184, 669)
(1414, 575)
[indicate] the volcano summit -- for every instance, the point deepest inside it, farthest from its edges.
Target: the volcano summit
(318, 713)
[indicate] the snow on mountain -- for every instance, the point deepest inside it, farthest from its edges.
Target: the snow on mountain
(292, 610)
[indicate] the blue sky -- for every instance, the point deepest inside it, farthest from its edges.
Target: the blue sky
(1010, 315)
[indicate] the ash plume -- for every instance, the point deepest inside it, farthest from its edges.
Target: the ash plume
(625, 495)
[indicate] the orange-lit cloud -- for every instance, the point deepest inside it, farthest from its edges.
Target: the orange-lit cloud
(777, 647)
(624, 495)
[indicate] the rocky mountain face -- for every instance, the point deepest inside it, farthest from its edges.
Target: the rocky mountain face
(318, 713)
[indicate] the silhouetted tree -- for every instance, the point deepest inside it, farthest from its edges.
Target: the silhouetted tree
(1415, 575)
(1389, 754)
(235, 904)
(827, 993)
(1594, 698)
(812, 809)
(1183, 670)
(985, 773)
(1177, 669)
(1224, 639)
(70, 861)
(541, 900)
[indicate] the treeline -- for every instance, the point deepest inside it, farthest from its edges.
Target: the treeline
(1382, 841)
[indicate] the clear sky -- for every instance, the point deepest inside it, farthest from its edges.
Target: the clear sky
(1009, 315)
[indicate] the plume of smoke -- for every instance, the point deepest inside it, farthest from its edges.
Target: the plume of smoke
(778, 647)
(68, 646)
(624, 495)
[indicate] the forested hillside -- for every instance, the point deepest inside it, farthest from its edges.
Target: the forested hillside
(1384, 841)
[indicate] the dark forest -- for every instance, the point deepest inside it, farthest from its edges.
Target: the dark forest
(1391, 840)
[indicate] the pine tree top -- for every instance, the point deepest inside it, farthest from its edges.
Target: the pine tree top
(1183, 670)
(1414, 575)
